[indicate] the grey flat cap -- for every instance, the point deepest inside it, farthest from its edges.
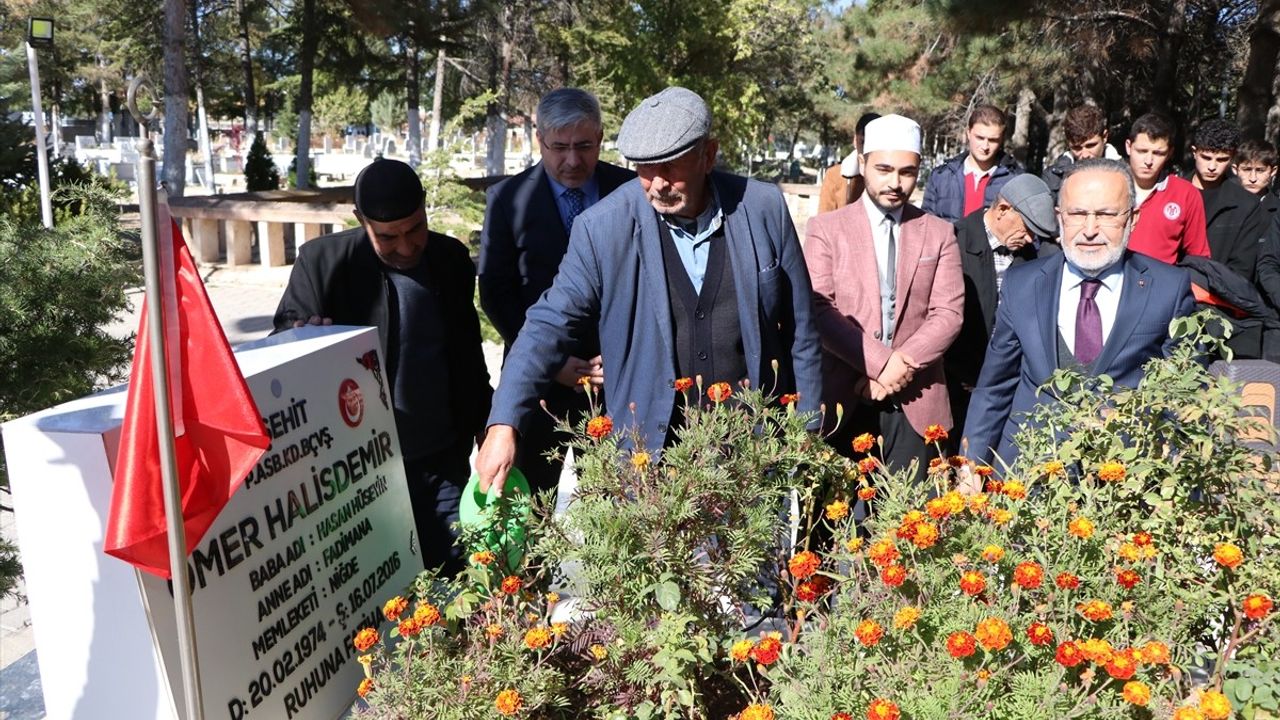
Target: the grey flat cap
(664, 126)
(1031, 199)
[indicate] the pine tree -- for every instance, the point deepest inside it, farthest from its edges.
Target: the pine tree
(260, 171)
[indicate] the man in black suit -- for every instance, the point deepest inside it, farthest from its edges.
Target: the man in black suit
(1019, 226)
(526, 233)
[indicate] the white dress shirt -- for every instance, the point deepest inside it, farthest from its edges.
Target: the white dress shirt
(1107, 299)
(880, 230)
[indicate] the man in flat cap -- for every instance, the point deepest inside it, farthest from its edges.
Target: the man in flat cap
(1020, 225)
(526, 232)
(417, 287)
(888, 295)
(684, 272)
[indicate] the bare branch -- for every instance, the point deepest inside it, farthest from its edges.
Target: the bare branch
(1099, 15)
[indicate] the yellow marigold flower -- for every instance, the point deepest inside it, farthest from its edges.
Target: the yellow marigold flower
(392, 608)
(926, 535)
(1137, 693)
(1081, 527)
(1000, 516)
(993, 633)
(1095, 610)
(837, 510)
(366, 661)
(1187, 713)
(532, 617)
(992, 553)
(984, 675)
(1111, 471)
(640, 460)
(757, 712)
(1129, 552)
(494, 631)
(741, 650)
(853, 544)
(537, 638)
(1228, 556)
(906, 617)
(1215, 705)
(1052, 468)
(599, 652)
(978, 502)
(954, 501)
(553, 598)
(1014, 489)
(508, 702)
(366, 687)
(559, 629)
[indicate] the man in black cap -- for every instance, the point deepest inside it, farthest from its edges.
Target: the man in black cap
(417, 287)
(688, 272)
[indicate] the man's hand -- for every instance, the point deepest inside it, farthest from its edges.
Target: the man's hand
(313, 320)
(869, 389)
(576, 368)
(968, 482)
(496, 456)
(898, 373)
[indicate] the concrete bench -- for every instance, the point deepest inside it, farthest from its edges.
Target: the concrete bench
(212, 220)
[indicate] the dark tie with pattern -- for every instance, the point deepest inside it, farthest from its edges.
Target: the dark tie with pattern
(1088, 323)
(577, 203)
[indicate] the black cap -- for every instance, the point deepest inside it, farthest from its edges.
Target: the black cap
(388, 190)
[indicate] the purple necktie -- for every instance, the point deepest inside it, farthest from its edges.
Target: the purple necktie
(1088, 323)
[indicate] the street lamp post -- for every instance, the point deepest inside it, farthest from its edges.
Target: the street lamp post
(40, 35)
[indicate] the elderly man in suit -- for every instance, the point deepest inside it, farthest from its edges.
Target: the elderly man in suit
(1096, 306)
(526, 232)
(685, 272)
(887, 294)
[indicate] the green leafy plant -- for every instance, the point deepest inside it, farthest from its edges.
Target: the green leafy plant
(260, 171)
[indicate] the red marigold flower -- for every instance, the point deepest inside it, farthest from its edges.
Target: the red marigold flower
(408, 627)
(881, 709)
(599, 426)
(868, 632)
(957, 461)
(1081, 527)
(1068, 654)
(994, 486)
(1228, 556)
(868, 465)
(788, 398)
(683, 384)
(893, 575)
(1039, 634)
(907, 527)
(1111, 471)
(972, 582)
(842, 716)
(804, 564)
(508, 702)
(866, 493)
(365, 639)
(392, 608)
(883, 553)
(1256, 606)
(366, 687)
(719, 392)
(510, 585)
(864, 442)
(993, 633)
(757, 712)
(934, 434)
(1028, 575)
(961, 644)
(925, 536)
(1215, 705)
(1137, 693)
(1095, 610)
(1142, 539)
(807, 591)
(1122, 665)
(1127, 578)
(1067, 581)
(766, 651)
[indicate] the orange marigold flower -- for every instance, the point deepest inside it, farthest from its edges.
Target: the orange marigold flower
(906, 617)
(1137, 693)
(1095, 610)
(907, 527)
(934, 434)
(979, 502)
(1028, 575)
(1039, 634)
(1068, 654)
(494, 631)
(366, 687)
(1127, 578)
(937, 464)
(508, 702)
(864, 442)
(883, 552)
(1122, 665)
(813, 588)
(484, 557)
(757, 712)
(804, 564)
(365, 639)
(1067, 581)
(866, 493)
(994, 486)
(972, 582)
(1215, 705)
(511, 585)
(983, 471)
(1154, 653)
(408, 627)
(868, 632)
(1081, 527)
(984, 675)
(537, 638)
(741, 650)
(893, 575)
(1187, 713)
(961, 644)
(392, 608)
(1111, 471)
(789, 398)
(683, 384)
(993, 633)
(1097, 650)
(992, 553)
(937, 508)
(426, 615)
(837, 510)
(766, 651)
(881, 709)
(1015, 490)
(1228, 555)
(957, 461)
(1256, 606)
(926, 535)
(1000, 516)
(868, 465)
(842, 716)
(719, 392)
(599, 426)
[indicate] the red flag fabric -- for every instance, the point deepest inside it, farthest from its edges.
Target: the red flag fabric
(219, 431)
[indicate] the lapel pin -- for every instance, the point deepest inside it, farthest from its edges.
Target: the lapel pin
(1142, 283)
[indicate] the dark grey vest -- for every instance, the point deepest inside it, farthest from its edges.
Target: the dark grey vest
(1067, 359)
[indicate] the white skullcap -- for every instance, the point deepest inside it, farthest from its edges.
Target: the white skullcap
(892, 132)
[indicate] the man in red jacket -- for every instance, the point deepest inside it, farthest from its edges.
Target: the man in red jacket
(1170, 213)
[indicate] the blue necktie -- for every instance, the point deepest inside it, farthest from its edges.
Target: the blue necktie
(577, 203)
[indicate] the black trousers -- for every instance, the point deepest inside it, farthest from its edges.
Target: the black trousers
(902, 443)
(541, 436)
(435, 483)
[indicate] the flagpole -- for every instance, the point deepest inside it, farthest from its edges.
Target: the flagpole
(181, 582)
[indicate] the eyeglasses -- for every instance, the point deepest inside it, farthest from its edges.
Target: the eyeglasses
(1104, 218)
(582, 147)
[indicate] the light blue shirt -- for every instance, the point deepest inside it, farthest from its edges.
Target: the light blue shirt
(693, 239)
(590, 189)
(1107, 299)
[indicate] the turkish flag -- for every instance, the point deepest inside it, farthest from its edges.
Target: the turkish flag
(219, 434)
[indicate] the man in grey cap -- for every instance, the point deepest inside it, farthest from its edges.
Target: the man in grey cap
(684, 272)
(1019, 226)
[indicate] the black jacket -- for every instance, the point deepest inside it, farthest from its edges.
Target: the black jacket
(1234, 220)
(1052, 175)
(339, 276)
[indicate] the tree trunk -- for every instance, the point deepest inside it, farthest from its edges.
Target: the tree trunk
(1255, 96)
(307, 68)
(437, 104)
(413, 91)
(104, 103)
(176, 113)
(197, 52)
(499, 80)
(1022, 125)
(1057, 136)
(246, 64)
(1164, 86)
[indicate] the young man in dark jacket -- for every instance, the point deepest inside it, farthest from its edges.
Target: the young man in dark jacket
(970, 181)
(1255, 167)
(1085, 128)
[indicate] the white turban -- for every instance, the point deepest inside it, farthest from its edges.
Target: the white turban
(892, 133)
